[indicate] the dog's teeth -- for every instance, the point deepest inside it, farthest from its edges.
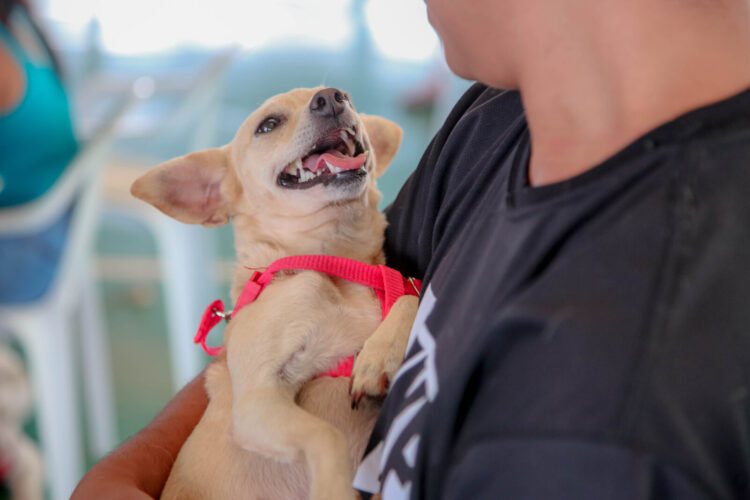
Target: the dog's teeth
(295, 168)
(344, 135)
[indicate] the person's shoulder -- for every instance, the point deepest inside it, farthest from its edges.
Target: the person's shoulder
(481, 99)
(480, 116)
(491, 96)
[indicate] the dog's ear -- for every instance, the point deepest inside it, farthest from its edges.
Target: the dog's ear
(385, 139)
(191, 189)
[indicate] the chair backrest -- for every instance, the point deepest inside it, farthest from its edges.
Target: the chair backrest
(78, 188)
(31, 217)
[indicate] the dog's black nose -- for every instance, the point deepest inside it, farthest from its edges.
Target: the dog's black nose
(328, 102)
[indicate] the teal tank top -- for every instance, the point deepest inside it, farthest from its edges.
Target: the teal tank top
(36, 137)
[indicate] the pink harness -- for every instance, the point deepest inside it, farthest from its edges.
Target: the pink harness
(389, 285)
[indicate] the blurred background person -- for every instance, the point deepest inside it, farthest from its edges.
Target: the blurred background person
(37, 143)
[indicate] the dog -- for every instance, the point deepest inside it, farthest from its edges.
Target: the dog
(297, 179)
(20, 460)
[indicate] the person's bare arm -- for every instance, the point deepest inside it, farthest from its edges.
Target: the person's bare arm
(138, 469)
(12, 81)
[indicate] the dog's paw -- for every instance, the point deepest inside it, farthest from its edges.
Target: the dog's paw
(373, 370)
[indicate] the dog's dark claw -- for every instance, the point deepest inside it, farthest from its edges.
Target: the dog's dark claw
(384, 384)
(356, 398)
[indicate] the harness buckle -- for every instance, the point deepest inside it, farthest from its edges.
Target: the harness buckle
(225, 315)
(414, 286)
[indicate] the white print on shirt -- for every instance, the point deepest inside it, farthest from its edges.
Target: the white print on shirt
(372, 467)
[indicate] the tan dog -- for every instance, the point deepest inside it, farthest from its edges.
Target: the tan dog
(297, 179)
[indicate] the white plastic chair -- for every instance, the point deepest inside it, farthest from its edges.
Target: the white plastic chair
(44, 326)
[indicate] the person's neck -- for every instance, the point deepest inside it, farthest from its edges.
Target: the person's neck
(592, 94)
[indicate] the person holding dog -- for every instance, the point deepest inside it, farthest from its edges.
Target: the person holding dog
(583, 241)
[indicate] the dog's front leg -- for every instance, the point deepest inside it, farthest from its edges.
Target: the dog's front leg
(383, 352)
(267, 420)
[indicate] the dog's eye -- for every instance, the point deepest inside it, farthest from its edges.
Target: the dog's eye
(267, 125)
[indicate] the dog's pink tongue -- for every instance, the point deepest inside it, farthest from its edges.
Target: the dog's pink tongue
(314, 163)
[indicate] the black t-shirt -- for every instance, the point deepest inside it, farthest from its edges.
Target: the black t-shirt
(588, 339)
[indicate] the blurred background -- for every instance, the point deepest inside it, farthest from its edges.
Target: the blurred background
(106, 338)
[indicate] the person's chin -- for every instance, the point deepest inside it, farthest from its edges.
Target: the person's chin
(488, 75)
(458, 64)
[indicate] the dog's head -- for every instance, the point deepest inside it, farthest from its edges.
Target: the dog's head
(298, 154)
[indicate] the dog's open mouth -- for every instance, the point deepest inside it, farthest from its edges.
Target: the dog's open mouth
(337, 157)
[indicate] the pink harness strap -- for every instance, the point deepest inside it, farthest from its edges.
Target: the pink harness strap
(389, 285)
